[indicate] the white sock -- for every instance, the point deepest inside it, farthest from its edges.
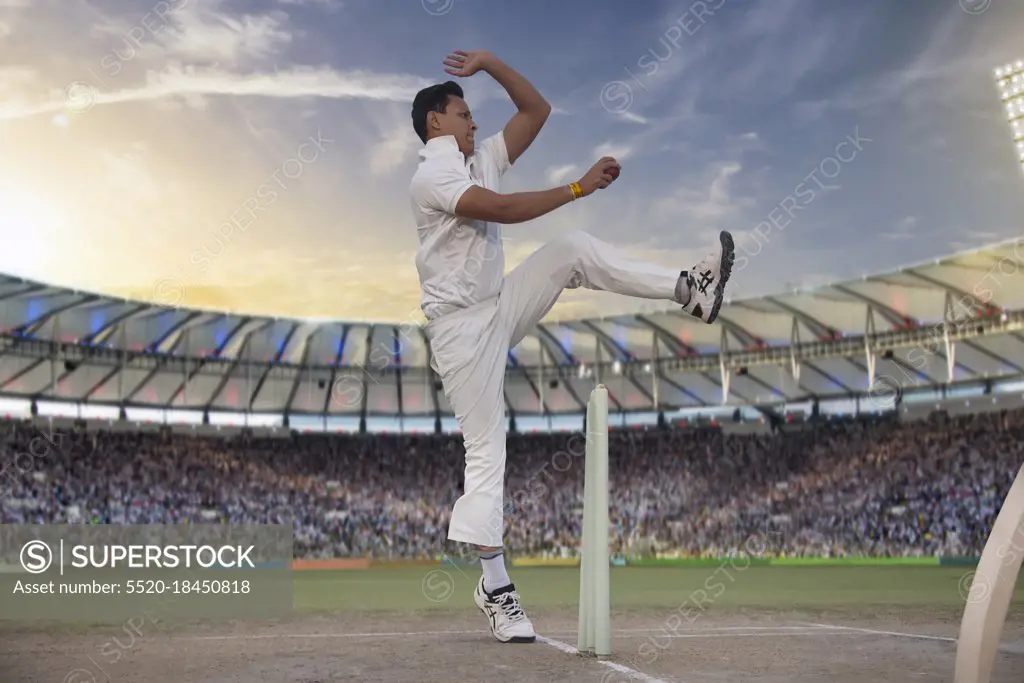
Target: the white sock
(495, 575)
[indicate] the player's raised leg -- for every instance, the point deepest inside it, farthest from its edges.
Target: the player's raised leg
(578, 259)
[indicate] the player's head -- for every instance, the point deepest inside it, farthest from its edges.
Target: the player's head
(441, 110)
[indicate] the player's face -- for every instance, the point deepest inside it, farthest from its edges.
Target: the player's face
(458, 122)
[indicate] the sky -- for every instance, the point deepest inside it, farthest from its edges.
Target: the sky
(833, 138)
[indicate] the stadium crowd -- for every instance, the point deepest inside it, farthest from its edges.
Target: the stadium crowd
(879, 487)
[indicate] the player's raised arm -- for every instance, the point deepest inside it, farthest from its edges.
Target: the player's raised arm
(533, 110)
(518, 207)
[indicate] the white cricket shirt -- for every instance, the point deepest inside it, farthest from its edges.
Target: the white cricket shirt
(460, 261)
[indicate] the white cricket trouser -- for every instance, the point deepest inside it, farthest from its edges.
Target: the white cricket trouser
(470, 352)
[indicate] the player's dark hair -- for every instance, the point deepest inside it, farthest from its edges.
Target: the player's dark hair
(432, 98)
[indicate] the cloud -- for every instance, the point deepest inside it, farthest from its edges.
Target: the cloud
(708, 202)
(178, 82)
(338, 241)
(557, 175)
(980, 238)
(14, 79)
(664, 131)
(327, 5)
(750, 138)
(903, 230)
(198, 33)
(611, 149)
(777, 63)
(186, 32)
(194, 51)
(634, 118)
(396, 146)
(944, 70)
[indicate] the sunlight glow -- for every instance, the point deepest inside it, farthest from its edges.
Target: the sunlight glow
(31, 229)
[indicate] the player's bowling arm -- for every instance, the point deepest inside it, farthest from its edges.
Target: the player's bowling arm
(479, 203)
(533, 110)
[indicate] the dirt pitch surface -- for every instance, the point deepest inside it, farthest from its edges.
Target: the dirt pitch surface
(389, 647)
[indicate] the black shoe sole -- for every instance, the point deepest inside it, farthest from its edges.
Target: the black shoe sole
(725, 272)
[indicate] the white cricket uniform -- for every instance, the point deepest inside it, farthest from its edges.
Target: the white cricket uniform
(476, 314)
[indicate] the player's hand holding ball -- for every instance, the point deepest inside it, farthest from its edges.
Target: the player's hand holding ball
(600, 175)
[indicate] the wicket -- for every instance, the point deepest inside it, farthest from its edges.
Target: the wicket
(992, 590)
(595, 593)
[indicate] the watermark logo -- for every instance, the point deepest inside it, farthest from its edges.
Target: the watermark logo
(783, 214)
(975, 6)
(347, 391)
(885, 392)
(81, 676)
(437, 8)
(248, 213)
(438, 585)
(158, 18)
(616, 97)
(155, 556)
(211, 567)
(79, 97)
(168, 292)
(696, 603)
(974, 588)
(36, 557)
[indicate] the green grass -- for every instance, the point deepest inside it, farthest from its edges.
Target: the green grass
(863, 592)
(725, 588)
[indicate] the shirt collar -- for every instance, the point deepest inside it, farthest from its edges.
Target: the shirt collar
(443, 146)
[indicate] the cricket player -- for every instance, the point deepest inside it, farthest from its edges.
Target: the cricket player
(476, 314)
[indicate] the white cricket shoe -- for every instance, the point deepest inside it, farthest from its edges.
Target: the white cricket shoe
(509, 623)
(706, 281)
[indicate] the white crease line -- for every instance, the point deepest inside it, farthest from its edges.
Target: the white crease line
(899, 634)
(920, 636)
(708, 629)
(621, 668)
(271, 636)
(753, 634)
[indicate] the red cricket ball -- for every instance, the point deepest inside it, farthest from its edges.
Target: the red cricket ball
(613, 172)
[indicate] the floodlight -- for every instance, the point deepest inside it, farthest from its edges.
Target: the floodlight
(1010, 82)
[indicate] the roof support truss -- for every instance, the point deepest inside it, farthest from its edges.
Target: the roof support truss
(294, 390)
(794, 344)
(334, 369)
(365, 398)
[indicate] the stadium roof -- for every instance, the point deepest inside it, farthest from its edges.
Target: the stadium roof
(114, 351)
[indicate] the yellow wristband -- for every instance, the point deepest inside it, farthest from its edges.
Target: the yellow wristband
(577, 191)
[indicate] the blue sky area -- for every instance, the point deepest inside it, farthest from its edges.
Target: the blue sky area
(719, 111)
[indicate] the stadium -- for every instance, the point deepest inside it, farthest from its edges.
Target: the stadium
(827, 483)
(272, 421)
